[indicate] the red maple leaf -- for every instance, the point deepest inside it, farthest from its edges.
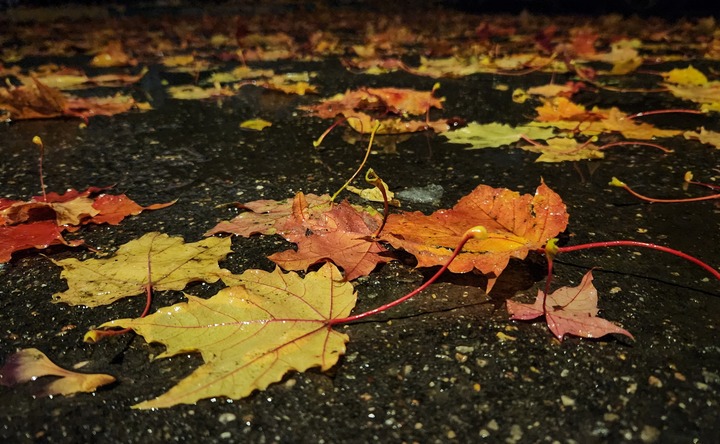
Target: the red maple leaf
(39, 222)
(341, 235)
(568, 310)
(38, 235)
(323, 232)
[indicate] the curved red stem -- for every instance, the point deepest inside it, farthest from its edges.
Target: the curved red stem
(468, 235)
(630, 243)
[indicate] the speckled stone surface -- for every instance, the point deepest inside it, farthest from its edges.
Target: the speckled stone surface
(447, 366)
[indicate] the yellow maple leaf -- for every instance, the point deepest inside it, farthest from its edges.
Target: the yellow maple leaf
(172, 264)
(685, 76)
(250, 334)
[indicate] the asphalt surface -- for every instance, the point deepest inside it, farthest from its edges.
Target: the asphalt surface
(447, 366)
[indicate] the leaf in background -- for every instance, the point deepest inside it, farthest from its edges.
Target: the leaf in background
(704, 136)
(560, 149)
(570, 310)
(30, 364)
(39, 222)
(250, 334)
(172, 263)
(515, 223)
(493, 135)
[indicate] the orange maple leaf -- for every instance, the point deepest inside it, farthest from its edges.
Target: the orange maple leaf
(515, 223)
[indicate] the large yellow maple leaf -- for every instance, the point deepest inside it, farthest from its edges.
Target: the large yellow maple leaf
(250, 334)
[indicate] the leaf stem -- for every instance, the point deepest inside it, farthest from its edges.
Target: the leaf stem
(38, 141)
(362, 164)
(477, 232)
(663, 111)
(654, 145)
(631, 243)
(617, 183)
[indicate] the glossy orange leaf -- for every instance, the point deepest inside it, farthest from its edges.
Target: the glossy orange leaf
(515, 223)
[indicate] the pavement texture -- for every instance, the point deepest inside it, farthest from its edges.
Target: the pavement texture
(446, 366)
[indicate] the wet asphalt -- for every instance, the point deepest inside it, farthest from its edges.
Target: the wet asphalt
(447, 366)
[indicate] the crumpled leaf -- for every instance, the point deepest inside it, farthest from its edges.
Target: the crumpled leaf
(250, 334)
(268, 216)
(30, 364)
(35, 100)
(172, 264)
(341, 235)
(568, 310)
(515, 223)
(494, 134)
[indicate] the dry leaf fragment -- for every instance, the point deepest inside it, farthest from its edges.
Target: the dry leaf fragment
(568, 310)
(172, 262)
(30, 363)
(250, 334)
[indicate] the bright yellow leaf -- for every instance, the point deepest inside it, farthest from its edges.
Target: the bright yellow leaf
(685, 76)
(251, 334)
(172, 264)
(255, 124)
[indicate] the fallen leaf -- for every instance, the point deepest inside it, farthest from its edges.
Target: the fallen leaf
(491, 135)
(704, 136)
(515, 223)
(568, 310)
(685, 76)
(194, 92)
(269, 216)
(390, 107)
(255, 124)
(341, 235)
(39, 235)
(30, 364)
(172, 264)
(251, 334)
(560, 149)
(113, 55)
(374, 194)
